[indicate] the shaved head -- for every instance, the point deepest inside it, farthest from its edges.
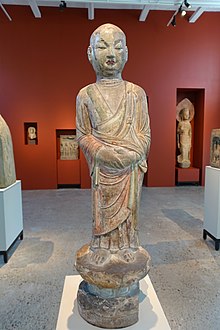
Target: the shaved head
(106, 27)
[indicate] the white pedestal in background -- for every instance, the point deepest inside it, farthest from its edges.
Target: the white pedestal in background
(212, 205)
(151, 315)
(11, 219)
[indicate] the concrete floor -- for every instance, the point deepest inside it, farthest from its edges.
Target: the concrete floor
(185, 271)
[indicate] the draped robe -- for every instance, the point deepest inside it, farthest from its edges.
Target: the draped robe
(184, 133)
(116, 191)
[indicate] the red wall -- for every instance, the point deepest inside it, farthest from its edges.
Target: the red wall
(43, 64)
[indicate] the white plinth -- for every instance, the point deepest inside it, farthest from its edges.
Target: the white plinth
(11, 220)
(212, 201)
(151, 315)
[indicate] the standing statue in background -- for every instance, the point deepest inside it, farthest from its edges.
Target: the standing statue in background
(7, 166)
(114, 134)
(185, 113)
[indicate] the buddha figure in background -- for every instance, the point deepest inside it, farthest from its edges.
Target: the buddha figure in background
(114, 133)
(31, 133)
(185, 113)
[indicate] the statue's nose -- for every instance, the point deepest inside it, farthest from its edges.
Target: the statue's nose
(111, 52)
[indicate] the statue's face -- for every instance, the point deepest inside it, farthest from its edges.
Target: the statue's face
(31, 133)
(185, 114)
(108, 52)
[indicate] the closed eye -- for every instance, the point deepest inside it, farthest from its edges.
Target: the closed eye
(101, 47)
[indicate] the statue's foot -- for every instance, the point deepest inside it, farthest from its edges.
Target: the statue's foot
(126, 255)
(100, 256)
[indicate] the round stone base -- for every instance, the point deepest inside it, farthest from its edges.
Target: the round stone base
(108, 308)
(116, 271)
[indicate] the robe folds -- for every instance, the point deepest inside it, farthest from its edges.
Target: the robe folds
(115, 189)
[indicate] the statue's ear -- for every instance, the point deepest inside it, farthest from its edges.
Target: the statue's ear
(89, 53)
(126, 53)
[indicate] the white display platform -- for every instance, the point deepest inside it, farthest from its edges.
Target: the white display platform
(151, 315)
(212, 201)
(11, 219)
(212, 204)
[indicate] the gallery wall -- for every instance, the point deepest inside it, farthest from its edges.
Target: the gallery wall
(43, 65)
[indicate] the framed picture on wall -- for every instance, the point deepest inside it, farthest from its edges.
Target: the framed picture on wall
(215, 148)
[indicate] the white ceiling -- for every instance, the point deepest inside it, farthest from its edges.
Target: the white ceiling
(198, 7)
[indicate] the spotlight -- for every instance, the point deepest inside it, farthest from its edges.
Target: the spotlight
(173, 22)
(183, 12)
(180, 11)
(62, 5)
(187, 4)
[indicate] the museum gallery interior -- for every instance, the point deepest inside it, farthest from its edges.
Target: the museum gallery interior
(59, 183)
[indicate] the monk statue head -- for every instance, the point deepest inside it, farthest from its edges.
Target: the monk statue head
(108, 52)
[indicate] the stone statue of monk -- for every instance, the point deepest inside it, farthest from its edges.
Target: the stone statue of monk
(113, 131)
(114, 134)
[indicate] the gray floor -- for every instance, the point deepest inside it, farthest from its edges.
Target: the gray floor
(185, 271)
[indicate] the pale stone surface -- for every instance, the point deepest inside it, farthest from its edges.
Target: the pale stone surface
(185, 113)
(7, 166)
(215, 148)
(114, 134)
(69, 149)
(32, 133)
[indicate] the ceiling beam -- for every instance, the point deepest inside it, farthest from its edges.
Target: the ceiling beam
(196, 14)
(172, 17)
(91, 11)
(144, 13)
(144, 6)
(5, 11)
(35, 9)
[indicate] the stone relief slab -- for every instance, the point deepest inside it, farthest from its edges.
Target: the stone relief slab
(7, 166)
(69, 148)
(215, 148)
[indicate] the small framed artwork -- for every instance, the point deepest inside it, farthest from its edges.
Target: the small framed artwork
(215, 148)
(30, 133)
